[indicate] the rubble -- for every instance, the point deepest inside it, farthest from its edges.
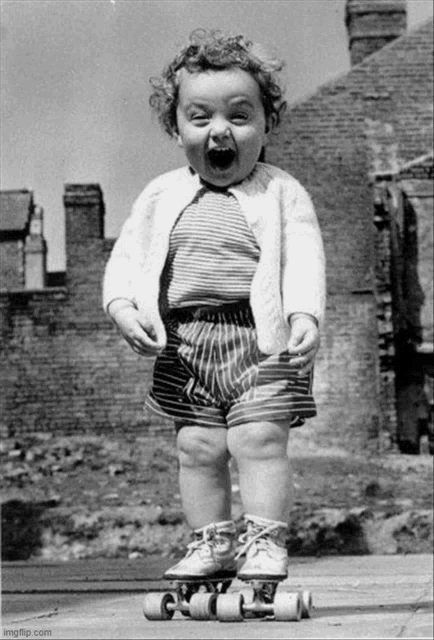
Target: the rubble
(88, 496)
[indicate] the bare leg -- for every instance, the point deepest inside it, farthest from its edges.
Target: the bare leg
(204, 478)
(266, 481)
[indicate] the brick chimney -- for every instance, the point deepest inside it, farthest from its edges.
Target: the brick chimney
(371, 24)
(35, 252)
(84, 209)
(84, 223)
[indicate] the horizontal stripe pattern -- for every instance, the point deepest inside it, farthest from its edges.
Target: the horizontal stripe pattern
(212, 374)
(213, 253)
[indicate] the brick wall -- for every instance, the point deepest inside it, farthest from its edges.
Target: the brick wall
(346, 380)
(372, 24)
(11, 264)
(67, 370)
(64, 375)
(329, 143)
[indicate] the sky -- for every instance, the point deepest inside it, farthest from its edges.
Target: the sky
(75, 86)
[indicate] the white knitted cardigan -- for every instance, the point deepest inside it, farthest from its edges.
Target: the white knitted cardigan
(290, 276)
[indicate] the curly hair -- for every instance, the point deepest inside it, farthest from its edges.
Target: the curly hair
(213, 51)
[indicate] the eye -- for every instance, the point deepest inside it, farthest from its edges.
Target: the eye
(240, 117)
(199, 119)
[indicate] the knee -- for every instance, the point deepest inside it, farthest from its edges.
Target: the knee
(258, 440)
(202, 447)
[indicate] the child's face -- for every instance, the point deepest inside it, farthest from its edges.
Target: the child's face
(221, 124)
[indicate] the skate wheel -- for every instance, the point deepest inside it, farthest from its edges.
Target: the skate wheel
(156, 606)
(230, 607)
(203, 606)
(306, 604)
(287, 606)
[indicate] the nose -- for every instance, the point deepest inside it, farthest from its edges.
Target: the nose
(220, 128)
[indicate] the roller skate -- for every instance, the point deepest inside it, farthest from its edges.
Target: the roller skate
(198, 579)
(265, 566)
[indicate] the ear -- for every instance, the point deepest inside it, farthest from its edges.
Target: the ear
(270, 123)
(174, 132)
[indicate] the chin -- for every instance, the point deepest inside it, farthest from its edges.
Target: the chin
(221, 180)
(218, 179)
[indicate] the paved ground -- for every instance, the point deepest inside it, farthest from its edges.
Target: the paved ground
(354, 597)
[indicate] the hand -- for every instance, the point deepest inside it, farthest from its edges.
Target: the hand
(303, 342)
(139, 333)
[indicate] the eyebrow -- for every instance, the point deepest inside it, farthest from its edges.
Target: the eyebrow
(241, 101)
(201, 104)
(233, 103)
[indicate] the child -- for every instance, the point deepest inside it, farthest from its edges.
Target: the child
(219, 273)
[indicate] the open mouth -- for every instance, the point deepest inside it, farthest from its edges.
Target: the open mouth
(221, 158)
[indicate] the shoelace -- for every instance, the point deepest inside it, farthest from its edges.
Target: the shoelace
(208, 534)
(248, 539)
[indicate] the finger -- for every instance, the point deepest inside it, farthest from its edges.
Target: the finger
(144, 335)
(301, 363)
(149, 349)
(301, 359)
(305, 370)
(138, 350)
(148, 329)
(145, 351)
(310, 342)
(143, 345)
(295, 340)
(137, 347)
(152, 337)
(301, 341)
(303, 355)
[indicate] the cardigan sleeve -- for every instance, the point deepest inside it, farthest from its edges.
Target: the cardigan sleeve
(129, 251)
(303, 258)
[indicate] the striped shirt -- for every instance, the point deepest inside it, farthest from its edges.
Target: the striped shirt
(213, 253)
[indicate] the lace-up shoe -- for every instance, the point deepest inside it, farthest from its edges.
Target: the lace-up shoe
(211, 553)
(263, 547)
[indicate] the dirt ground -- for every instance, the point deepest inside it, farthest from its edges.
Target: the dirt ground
(88, 496)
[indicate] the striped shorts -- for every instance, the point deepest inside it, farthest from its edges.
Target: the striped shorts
(212, 374)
